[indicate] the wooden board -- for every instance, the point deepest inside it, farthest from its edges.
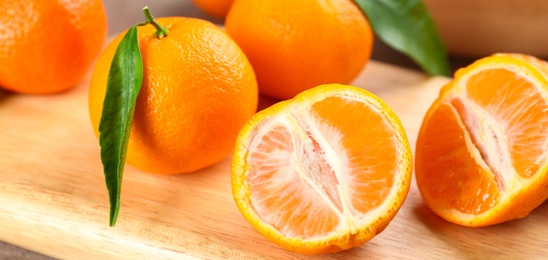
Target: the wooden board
(53, 199)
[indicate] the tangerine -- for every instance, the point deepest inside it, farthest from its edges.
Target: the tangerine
(297, 45)
(48, 46)
(313, 181)
(198, 90)
(481, 156)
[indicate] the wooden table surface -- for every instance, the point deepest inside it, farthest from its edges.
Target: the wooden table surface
(54, 200)
(415, 232)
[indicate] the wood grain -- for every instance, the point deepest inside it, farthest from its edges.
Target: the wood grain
(54, 201)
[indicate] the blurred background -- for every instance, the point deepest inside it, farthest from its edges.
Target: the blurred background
(471, 29)
(123, 14)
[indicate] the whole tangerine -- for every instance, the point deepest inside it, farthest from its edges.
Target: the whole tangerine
(198, 90)
(297, 45)
(48, 46)
(215, 8)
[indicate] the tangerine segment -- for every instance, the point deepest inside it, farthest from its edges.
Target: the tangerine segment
(367, 176)
(481, 153)
(323, 172)
(459, 181)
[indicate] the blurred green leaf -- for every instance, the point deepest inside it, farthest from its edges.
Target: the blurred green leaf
(406, 26)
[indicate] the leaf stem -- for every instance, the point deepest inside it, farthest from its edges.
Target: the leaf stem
(161, 31)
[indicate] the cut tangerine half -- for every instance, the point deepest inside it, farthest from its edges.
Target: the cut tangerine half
(482, 151)
(323, 172)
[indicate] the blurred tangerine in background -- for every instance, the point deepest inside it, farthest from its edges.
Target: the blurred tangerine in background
(297, 45)
(48, 46)
(215, 8)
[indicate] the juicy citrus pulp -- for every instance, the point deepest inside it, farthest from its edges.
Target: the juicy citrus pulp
(324, 171)
(481, 154)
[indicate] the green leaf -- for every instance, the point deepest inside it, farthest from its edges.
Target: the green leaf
(408, 27)
(124, 82)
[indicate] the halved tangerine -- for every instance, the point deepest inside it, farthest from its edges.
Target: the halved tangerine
(323, 172)
(482, 151)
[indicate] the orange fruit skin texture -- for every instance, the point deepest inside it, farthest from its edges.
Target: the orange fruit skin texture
(215, 8)
(297, 45)
(458, 183)
(47, 46)
(376, 183)
(198, 90)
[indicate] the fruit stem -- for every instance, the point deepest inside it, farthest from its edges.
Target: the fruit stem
(160, 30)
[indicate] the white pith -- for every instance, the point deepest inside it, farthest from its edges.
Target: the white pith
(336, 158)
(488, 139)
